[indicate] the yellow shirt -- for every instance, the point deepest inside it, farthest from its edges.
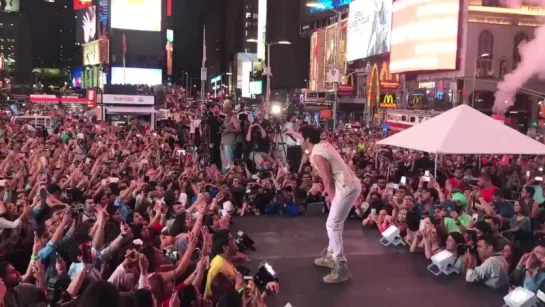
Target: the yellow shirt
(218, 266)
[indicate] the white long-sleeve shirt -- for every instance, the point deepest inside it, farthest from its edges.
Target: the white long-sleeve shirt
(492, 272)
(124, 280)
(4, 223)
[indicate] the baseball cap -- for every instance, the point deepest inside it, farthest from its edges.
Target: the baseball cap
(460, 197)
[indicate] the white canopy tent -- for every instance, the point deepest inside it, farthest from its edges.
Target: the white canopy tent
(464, 130)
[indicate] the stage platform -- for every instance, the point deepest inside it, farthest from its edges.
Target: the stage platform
(381, 276)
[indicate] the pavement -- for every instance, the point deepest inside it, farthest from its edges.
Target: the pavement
(381, 276)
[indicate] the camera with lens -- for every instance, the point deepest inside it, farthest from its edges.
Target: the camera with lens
(56, 286)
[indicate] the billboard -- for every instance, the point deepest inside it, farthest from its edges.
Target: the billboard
(369, 25)
(170, 50)
(76, 77)
(424, 35)
(143, 48)
(256, 87)
(9, 5)
(261, 28)
(329, 5)
(86, 25)
(130, 75)
(103, 16)
(317, 54)
(145, 15)
(128, 99)
(81, 4)
(96, 52)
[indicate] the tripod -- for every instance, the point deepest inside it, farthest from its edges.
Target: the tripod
(277, 131)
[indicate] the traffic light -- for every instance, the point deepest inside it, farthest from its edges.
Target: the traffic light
(534, 123)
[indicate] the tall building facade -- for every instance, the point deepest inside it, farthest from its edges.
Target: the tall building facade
(52, 37)
(14, 42)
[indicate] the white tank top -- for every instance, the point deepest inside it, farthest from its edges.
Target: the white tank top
(344, 177)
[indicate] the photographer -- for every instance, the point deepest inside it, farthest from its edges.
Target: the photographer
(231, 129)
(258, 138)
(293, 153)
(213, 124)
(493, 271)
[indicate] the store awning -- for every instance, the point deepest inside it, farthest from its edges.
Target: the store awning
(92, 112)
(131, 110)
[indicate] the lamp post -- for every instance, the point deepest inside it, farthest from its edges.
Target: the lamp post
(186, 80)
(484, 55)
(336, 55)
(268, 64)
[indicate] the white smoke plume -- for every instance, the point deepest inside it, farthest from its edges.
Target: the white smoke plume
(532, 63)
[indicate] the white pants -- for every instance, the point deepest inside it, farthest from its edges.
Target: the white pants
(341, 205)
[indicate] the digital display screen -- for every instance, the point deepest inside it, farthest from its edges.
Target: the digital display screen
(142, 15)
(170, 49)
(329, 4)
(81, 4)
(103, 16)
(76, 76)
(369, 25)
(144, 49)
(9, 5)
(86, 25)
(256, 87)
(136, 76)
(424, 35)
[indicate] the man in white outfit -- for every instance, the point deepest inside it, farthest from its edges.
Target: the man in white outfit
(342, 188)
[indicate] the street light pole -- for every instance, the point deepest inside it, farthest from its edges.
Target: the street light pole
(186, 80)
(336, 58)
(268, 94)
(475, 77)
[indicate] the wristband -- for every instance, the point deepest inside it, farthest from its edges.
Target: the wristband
(34, 257)
(518, 268)
(241, 290)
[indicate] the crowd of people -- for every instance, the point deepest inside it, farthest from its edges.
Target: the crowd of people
(95, 214)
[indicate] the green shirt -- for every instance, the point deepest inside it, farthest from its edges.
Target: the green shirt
(538, 194)
(450, 223)
(64, 138)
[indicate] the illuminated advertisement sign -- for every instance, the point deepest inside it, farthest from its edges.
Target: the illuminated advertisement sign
(246, 69)
(103, 15)
(261, 28)
(145, 15)
(96, 52)
(81, 4)
(387, 101)
(424, 35)
(317, 71)
(170, 49)
(129, 75)
(369, 25)
(76, 77)
(86, 25)
(329, 4)
(128, 99)
(9, 5)
(256, 87)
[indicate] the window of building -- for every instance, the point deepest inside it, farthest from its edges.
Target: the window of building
(503, 68)
(485, 47)
(519, 38)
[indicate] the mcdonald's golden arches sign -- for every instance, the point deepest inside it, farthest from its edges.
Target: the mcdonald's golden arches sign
(387, 101)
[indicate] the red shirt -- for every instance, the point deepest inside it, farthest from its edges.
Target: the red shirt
(488, 195)
(166, 303)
